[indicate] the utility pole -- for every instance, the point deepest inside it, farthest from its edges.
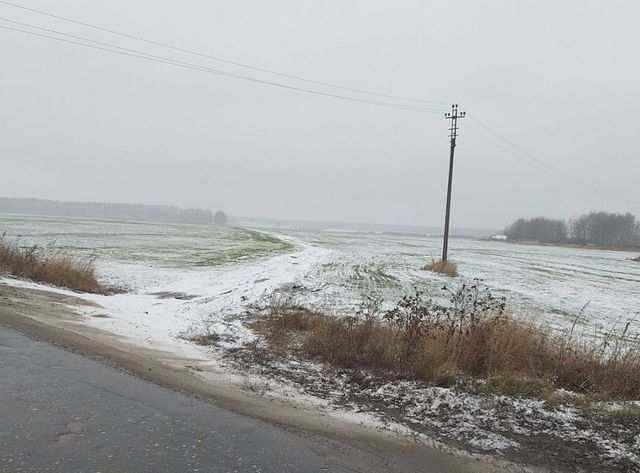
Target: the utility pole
(453, 116)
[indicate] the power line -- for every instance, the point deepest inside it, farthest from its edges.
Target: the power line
(510, 152)
(518, 148)
(223, 60)
(550, 171)
(532, 159)
(166, 60)
(555, 172)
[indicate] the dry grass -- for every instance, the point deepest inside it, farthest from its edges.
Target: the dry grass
(472, 340)
(205, 340)
(448, 268)
(47, 266)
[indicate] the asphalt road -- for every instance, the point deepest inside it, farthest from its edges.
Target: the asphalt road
(62, 412)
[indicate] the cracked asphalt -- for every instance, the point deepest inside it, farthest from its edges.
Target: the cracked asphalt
(62, 412)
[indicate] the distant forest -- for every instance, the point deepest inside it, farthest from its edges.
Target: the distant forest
(140, 213)
(594, 228)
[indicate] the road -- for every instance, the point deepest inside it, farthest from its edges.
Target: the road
(63, 412)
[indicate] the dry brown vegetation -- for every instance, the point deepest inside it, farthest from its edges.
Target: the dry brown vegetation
(51, 267)
(448, 268)
(205, 340)
(472, 338)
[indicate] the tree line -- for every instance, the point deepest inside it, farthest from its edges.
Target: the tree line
(594, 228)
(135, 212)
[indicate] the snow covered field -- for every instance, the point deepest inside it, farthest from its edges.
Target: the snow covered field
(184, 277)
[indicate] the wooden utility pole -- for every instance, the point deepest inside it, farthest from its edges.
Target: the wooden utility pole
(453, 116)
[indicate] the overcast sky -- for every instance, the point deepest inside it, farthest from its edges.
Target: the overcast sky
(557, 78)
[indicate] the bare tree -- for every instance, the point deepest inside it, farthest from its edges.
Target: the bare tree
(538, 229)
(610, 229)
(220, 218)
(136, 212)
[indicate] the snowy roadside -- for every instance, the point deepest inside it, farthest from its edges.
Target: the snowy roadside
(166, 306)
(558, 437)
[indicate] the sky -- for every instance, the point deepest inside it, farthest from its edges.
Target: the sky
(558, 80)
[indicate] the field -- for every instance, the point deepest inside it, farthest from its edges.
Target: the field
(196, 291)
(333, 270)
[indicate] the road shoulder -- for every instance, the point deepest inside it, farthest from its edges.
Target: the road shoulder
(50, 317)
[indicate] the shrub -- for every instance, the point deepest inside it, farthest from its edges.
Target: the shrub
(47, 266)
(472, 336)
(448, 268)
(205, 340)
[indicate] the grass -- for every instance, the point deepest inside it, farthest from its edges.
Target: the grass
(50, 267)
(627, 414)
(205, 340)
(244, 245)
(472, 339)
(448, 268)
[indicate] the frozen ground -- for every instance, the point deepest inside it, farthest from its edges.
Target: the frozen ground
(333, 269)
(550, 282)
(203, 283)
(185, 280)
(560, 437)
